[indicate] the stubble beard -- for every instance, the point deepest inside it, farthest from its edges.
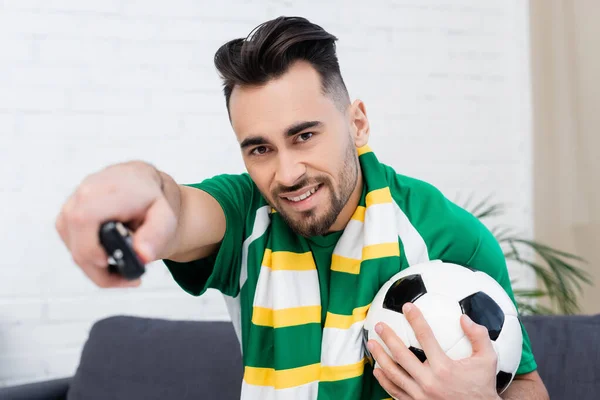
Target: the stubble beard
(310, 223)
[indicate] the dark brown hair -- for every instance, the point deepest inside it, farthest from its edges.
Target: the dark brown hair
(272, 47)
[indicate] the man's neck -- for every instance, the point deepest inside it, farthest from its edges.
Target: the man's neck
(348, 210)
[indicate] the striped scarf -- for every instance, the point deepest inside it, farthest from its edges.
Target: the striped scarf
(303, 356)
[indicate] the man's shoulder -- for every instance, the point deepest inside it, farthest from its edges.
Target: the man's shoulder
(449, 231)
(425, 204)
(404, 186)
(233, 190)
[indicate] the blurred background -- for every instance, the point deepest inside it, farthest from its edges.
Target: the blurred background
(494, 102)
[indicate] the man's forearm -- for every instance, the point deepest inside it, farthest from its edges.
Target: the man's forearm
(521, 389)
(171, 191)
(200, 221)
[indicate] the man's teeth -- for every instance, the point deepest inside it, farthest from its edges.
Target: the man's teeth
(302, 196)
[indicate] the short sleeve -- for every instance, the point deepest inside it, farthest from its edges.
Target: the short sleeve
(220, 270)
(489, 258)
(465, 240)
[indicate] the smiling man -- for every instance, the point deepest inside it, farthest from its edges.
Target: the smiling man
(302, 241)
(298, 147)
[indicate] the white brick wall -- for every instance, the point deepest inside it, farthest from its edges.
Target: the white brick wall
(87, 83)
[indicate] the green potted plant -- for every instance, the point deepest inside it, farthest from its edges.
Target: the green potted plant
(559, 273)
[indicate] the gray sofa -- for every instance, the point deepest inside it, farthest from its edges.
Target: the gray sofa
(139, 358)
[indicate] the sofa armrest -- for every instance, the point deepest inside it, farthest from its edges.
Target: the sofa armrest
(55, 389)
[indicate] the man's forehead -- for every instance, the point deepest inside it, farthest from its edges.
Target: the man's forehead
(262, 110)
(275, 125)
(299, 82)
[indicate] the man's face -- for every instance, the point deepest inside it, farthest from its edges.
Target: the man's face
(298, 147)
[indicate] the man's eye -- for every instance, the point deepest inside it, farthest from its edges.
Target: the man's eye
(303, 137)
(259, 150)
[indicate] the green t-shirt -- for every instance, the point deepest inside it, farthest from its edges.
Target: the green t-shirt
(447, 232)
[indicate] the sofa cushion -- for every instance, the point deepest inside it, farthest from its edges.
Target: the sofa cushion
(53, 389)
(143, 358)
(567, 351)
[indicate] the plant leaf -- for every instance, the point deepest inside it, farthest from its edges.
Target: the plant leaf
(541, 247)
(560, 276)
(530, 293)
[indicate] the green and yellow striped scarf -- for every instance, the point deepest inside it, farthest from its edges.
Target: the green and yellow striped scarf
(293, 353)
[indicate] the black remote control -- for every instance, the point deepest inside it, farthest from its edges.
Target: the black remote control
(117, 241)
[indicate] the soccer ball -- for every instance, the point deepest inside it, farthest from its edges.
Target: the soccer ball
(443, 291)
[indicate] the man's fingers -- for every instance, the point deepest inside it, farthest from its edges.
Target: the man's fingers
(85, 244)
(394, 372)
(423, 333)
(402, 355)
(389, 386)
(478, 336)
(61, 229)
(104, 279)
(61, 221)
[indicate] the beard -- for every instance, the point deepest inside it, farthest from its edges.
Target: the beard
(317, 222)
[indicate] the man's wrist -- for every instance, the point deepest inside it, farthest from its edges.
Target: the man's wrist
(161, 181)
(158, 177)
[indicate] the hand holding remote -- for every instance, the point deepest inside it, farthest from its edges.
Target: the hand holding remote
(119, 214)
(117, 241)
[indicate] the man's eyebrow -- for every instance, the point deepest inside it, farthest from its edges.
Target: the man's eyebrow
(290, 131)
(300, 126)
(253, 141)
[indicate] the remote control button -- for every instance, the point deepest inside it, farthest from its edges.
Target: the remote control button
(121, 228)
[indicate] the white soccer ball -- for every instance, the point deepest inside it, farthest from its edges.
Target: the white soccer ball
(443, 292)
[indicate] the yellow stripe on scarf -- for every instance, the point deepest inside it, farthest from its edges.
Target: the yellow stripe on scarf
(352, 265)
(286, 316)
(363, 150)
(346, 321)
(380, 250)
(282, 379)
(359, 214)
(339, 373)
(288, 378)
(288, 261)
(345, 264)
(378, 196)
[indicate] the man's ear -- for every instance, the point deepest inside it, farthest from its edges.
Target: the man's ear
(359, 123)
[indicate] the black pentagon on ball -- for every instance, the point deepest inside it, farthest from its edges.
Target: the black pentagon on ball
(483, 310)
(419, 353)
(405, 290)
(502, 380)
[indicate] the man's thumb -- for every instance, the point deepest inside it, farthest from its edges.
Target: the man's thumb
(155, 232)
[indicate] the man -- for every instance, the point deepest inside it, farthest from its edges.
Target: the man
(301, 243)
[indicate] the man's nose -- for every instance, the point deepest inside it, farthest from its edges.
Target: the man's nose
(290, 170)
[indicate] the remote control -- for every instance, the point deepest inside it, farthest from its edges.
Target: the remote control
(117, 241)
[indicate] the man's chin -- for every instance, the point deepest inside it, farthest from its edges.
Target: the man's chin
(304, 224)
(314, 221)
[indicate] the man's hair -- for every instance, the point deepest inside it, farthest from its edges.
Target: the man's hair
(272, 47)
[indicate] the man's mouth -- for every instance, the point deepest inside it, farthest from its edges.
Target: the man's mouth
(302, 196)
